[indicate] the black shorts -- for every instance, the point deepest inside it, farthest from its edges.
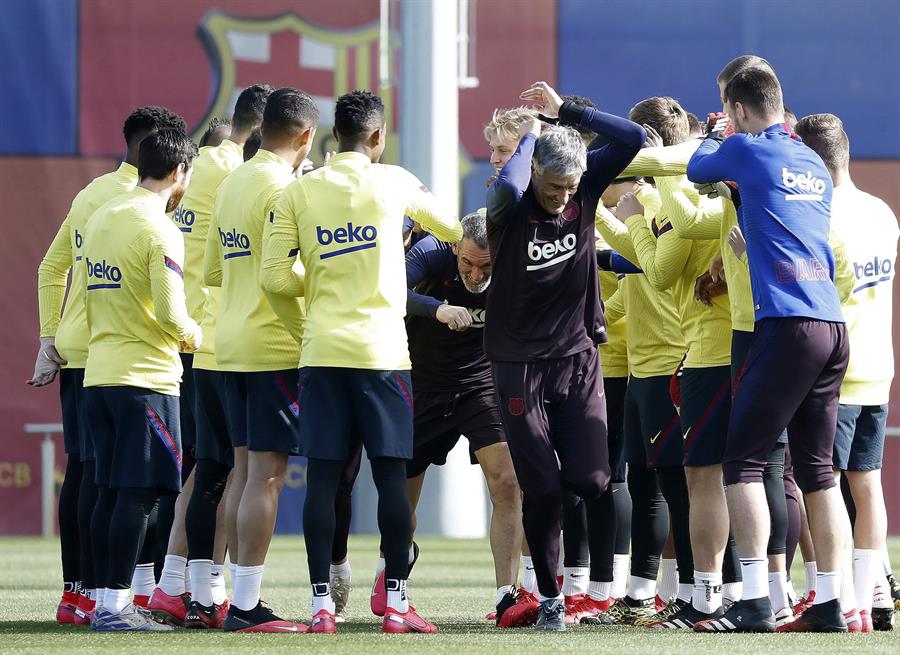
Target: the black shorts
(341, 406)
(615, 425)
(741, 341)
(262, 412)
(188, 427)
(440, 419)
(71, 396)
(705, 408)
(137, 437)
(213, 442)
(859, 439)
(652, 427)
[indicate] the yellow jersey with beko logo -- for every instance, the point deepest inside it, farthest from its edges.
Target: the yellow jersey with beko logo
(345, 220)
(249, 335)
(71, 331)
(134, 295)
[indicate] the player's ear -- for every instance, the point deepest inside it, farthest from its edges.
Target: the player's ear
(455, 248)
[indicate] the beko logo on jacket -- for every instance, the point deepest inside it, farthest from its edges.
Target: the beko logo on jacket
(551, 253)
(234, 239)
(102, 275)
(362, 235)
(873, 272)
(183, 218)
(809, 186)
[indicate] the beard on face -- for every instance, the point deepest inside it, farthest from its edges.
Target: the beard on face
(175, 198)
(472, 287)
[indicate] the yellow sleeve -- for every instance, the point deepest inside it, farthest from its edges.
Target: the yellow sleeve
(659, 162)
(281, 273)
(661, 258)
(425, 210)
(167, 286)
(692, 218)
(52, 274)
(212, 255)
(288, 308)
(844, 279)
(614, 308)
(614, 233)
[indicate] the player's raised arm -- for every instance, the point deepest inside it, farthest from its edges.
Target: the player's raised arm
(506, 191)
(425, 210)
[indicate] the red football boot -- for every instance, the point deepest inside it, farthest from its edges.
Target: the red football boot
(169, 609)
(523, 613)
(323, 623)
(401, 622)
(65, 611)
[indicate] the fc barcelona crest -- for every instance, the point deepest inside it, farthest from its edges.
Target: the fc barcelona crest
(285, 50)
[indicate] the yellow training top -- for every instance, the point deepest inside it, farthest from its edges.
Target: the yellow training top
(136, 308)
(613, 353)
(250, 337)
(668, 261)
(653, 329)
(64, 253)
(868, 229)
(346, 220)
(192, 217)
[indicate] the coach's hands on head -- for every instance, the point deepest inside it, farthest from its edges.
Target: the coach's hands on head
(628, 206)
(47, 364)
(654, 140)
(455, 318)
(546, 100)
(532, 126)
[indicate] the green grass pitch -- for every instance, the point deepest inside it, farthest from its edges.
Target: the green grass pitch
(452, 586)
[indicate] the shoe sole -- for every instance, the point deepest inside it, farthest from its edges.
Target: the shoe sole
(164, 617)
(282, 627)
(399, 629)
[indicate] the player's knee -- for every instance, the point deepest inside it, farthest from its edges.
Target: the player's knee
(505, 492)
(865, 484)
(540, 497)
(813, 477)
(592, 485)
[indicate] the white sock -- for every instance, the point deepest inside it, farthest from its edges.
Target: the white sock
(599, 591)
(171, 581)
(847, 595)
(529, 581)
(778, 594)
(412, 554)
(340, 570)
(828, 586)
(791, 592)
(620, 575)
(219, 592)
(575, 580)
(641, 588)
(100, 597)
(560, 563)
(90, 594)
(232, 571)
(115, 600)
(685, 591)
(143, 580)
(187, 577)
(502, 591)
(542, 598)
(321, 598)
(811, 571)
(732, 591)
(755, 574)
(867, 567)
(379, 566)
(397, 599)
(668, 579)
(247, 583)
(201, 581)
(707, 596)
(887, 562)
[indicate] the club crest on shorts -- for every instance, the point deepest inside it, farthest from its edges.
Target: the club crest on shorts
(515, 406)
